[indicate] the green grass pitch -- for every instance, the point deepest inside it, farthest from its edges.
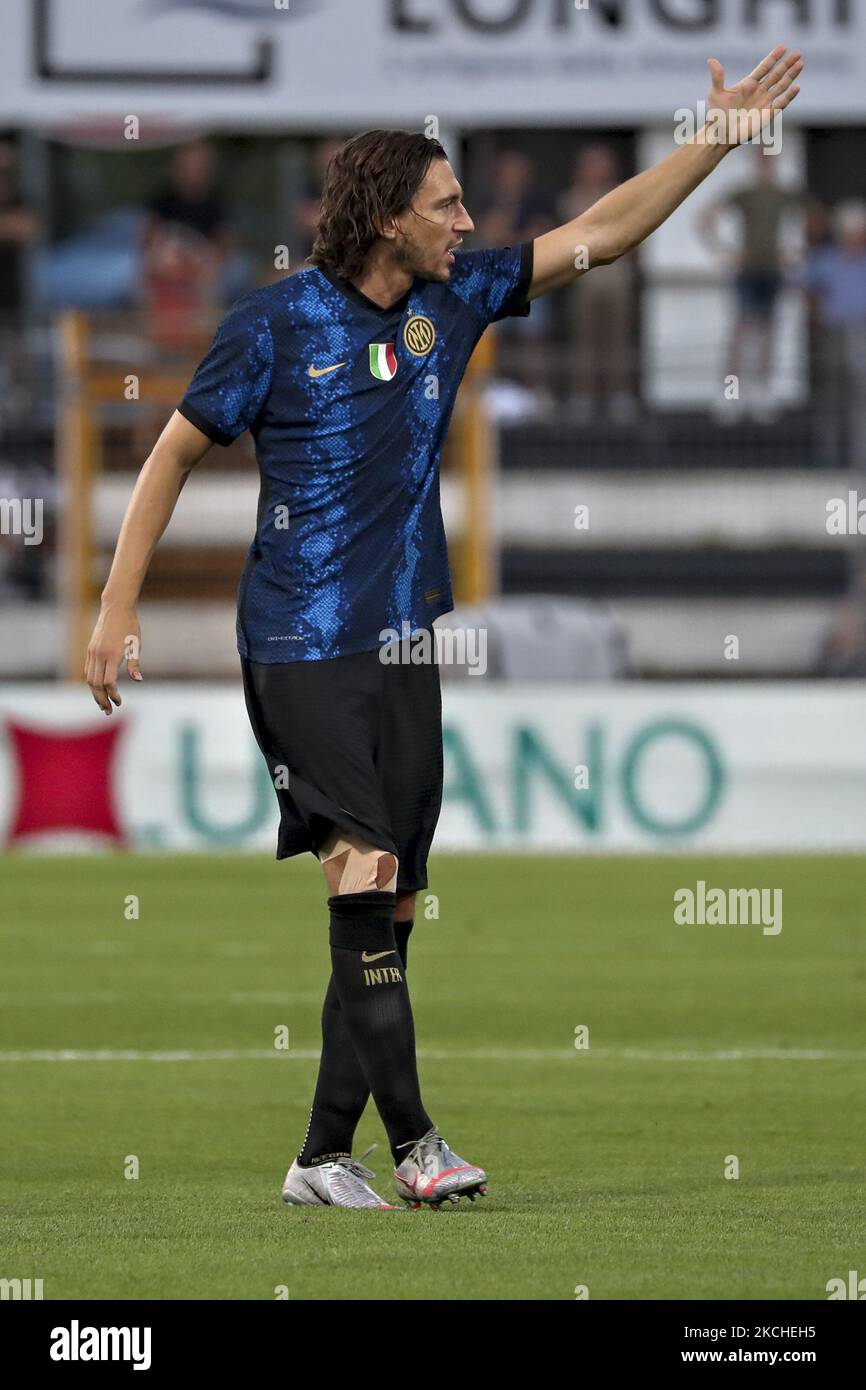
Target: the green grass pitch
(606, 1166)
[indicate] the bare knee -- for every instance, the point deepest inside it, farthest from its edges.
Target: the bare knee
(405, 909)
(353, 866)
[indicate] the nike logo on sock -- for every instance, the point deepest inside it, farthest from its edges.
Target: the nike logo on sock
(366, 957)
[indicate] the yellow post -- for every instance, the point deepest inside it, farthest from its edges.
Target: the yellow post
(476, 446)
(77, 445)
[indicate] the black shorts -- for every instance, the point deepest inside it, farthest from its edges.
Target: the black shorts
(757, 292)
(361, 741)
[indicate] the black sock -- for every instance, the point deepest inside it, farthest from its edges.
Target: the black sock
(402, 932)
(370, 979)
(341, 1089)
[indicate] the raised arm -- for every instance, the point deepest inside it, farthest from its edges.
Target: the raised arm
(623, 218)
(176, 452)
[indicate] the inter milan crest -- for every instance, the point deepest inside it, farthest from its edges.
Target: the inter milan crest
(419, 335)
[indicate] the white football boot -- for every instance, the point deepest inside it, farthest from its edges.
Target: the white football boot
(432, 1173)
(339, 1183)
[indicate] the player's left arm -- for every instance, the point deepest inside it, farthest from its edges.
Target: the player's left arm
(623, 218)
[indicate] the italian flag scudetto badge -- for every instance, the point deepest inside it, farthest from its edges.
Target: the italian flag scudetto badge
(383, 361)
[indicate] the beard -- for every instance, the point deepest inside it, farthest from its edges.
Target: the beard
(411, 258)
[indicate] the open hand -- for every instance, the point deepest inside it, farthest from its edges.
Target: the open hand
(753, 102)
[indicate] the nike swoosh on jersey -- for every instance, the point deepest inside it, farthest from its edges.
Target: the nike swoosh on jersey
(377, 956)
(323, 371)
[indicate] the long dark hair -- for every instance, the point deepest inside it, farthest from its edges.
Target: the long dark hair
(372, 178)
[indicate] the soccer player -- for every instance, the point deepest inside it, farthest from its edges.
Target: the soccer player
(346, 373)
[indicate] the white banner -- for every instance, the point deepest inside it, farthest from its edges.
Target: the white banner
(331, 63)
(588, 769)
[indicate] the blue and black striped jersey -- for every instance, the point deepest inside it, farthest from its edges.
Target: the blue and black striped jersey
(348, 404)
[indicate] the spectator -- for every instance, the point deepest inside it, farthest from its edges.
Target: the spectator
(307, 211)
(601, 315)
(843, 652)
(19, 228)
(817, 225)
(187, 243)
(516, 211)
(759, 272)
(835, 279)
